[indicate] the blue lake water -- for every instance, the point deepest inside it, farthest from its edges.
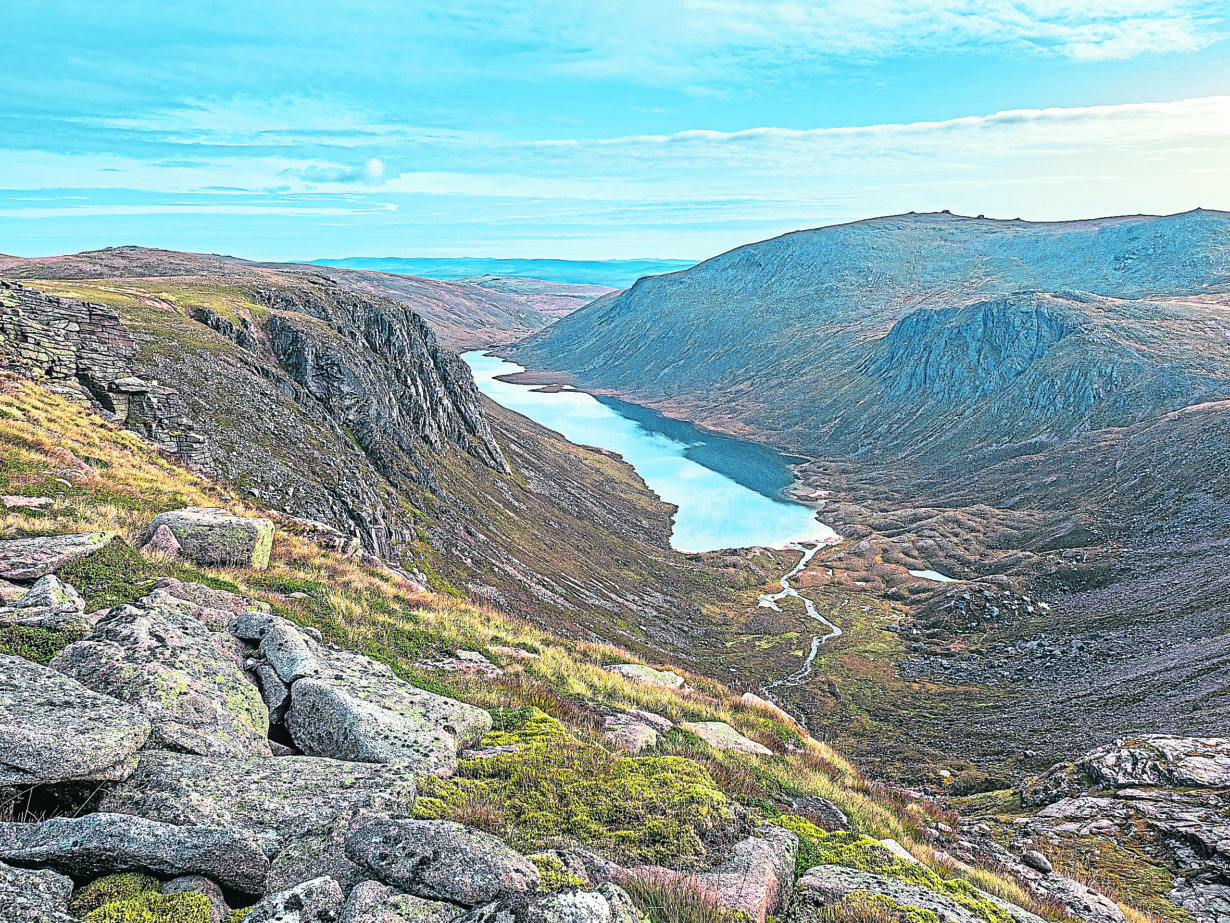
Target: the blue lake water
(727, 490)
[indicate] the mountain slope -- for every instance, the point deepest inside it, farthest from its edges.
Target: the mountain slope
(809, 339)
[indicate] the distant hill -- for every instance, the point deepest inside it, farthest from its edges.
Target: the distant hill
(607, 273)
(933, 338)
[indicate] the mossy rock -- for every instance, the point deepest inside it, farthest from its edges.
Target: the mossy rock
(37, 644)
(111, 888)
(521, 726)
(237, 915)
(552, 874)
(154, 907)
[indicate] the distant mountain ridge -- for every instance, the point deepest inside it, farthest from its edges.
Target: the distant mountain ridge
(608, 273)
(920, 334)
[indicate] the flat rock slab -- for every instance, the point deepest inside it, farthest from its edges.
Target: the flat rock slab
(34, 895)
(372, 902)
(440, 860)
(643, 674)
(215, 538)
(755, 878)
(721, 736)
(826, 885)
(53, 729)
(291, 795)
(351, 707)
(187, 679)
(635, 730)
(31, 558)
(100, 844)
(316, 901)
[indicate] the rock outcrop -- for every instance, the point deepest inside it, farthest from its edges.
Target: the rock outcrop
(53, 729)
(642, 674)
(721, 736)
(372, 902)
(31, 558)
(188, 680)
(97, 844)
(215, 538)
(440, 860)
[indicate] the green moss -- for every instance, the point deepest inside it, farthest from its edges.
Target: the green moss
(552, 874)
(111, 888)
(865, 907)
(153, 907)
(117, 573)
(521, 726)
(852, 850)
(237, 915)
(644, 809)
(37, 644)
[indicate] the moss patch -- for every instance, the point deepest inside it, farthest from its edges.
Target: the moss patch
(37, 644)
(111, 888)
(117, 573)
(552, 874)
(153, 907)
(642, 809)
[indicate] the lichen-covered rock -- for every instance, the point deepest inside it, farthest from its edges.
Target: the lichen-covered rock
(440, 860)
(50, 604)
(33, 895)
(289, 650)
(215, 538)
(608, 904)
(31, 558)
(101, 843)
(187, 679)
(355, 708)
(316, 901)
(205, 604)
(163, 541)
(199, 884)
(372, 902)
(828, 885)
(821, 812)
(635, 730)
(755, 879)
(721, 736)
(53, 729)
(292, 795)
(316, 854)
(643, 674)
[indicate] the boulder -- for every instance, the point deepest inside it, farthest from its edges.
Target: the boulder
(99, 844)
(721, 736)
(215, 608)
(1161, 759)
(291, 795)
(372, 902)
(50, 604)
(608, 904)
(188, 680)
(289, 650)
(25, 503)
(31, 558)
(755, 878)
(319, 853)
(355, 708)
(827, 885)
(643, 674)
(635, 730)
(10, 592)
(440, 860)
(34, 896)
(163, 541)
(199, 884)
(215, 538)
(754, 701)
(317, 901)
(820, 811)
(53, 729)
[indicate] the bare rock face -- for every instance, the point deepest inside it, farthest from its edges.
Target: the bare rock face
(1159, 759)
(31, 558)
(316, 901)
(721, 736)
(440, 860)
(643, 674)
(188, 680)
(53, 729)
(99, 844)
(34, 896)
(755, 878)
(372, 902)
(290, 795)
(213, 537)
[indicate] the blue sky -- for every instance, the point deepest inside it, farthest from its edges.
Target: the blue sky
(672, 128)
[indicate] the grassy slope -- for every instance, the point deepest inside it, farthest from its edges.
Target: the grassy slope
(367, 609)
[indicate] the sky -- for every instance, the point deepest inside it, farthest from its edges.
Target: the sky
(596, 129)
